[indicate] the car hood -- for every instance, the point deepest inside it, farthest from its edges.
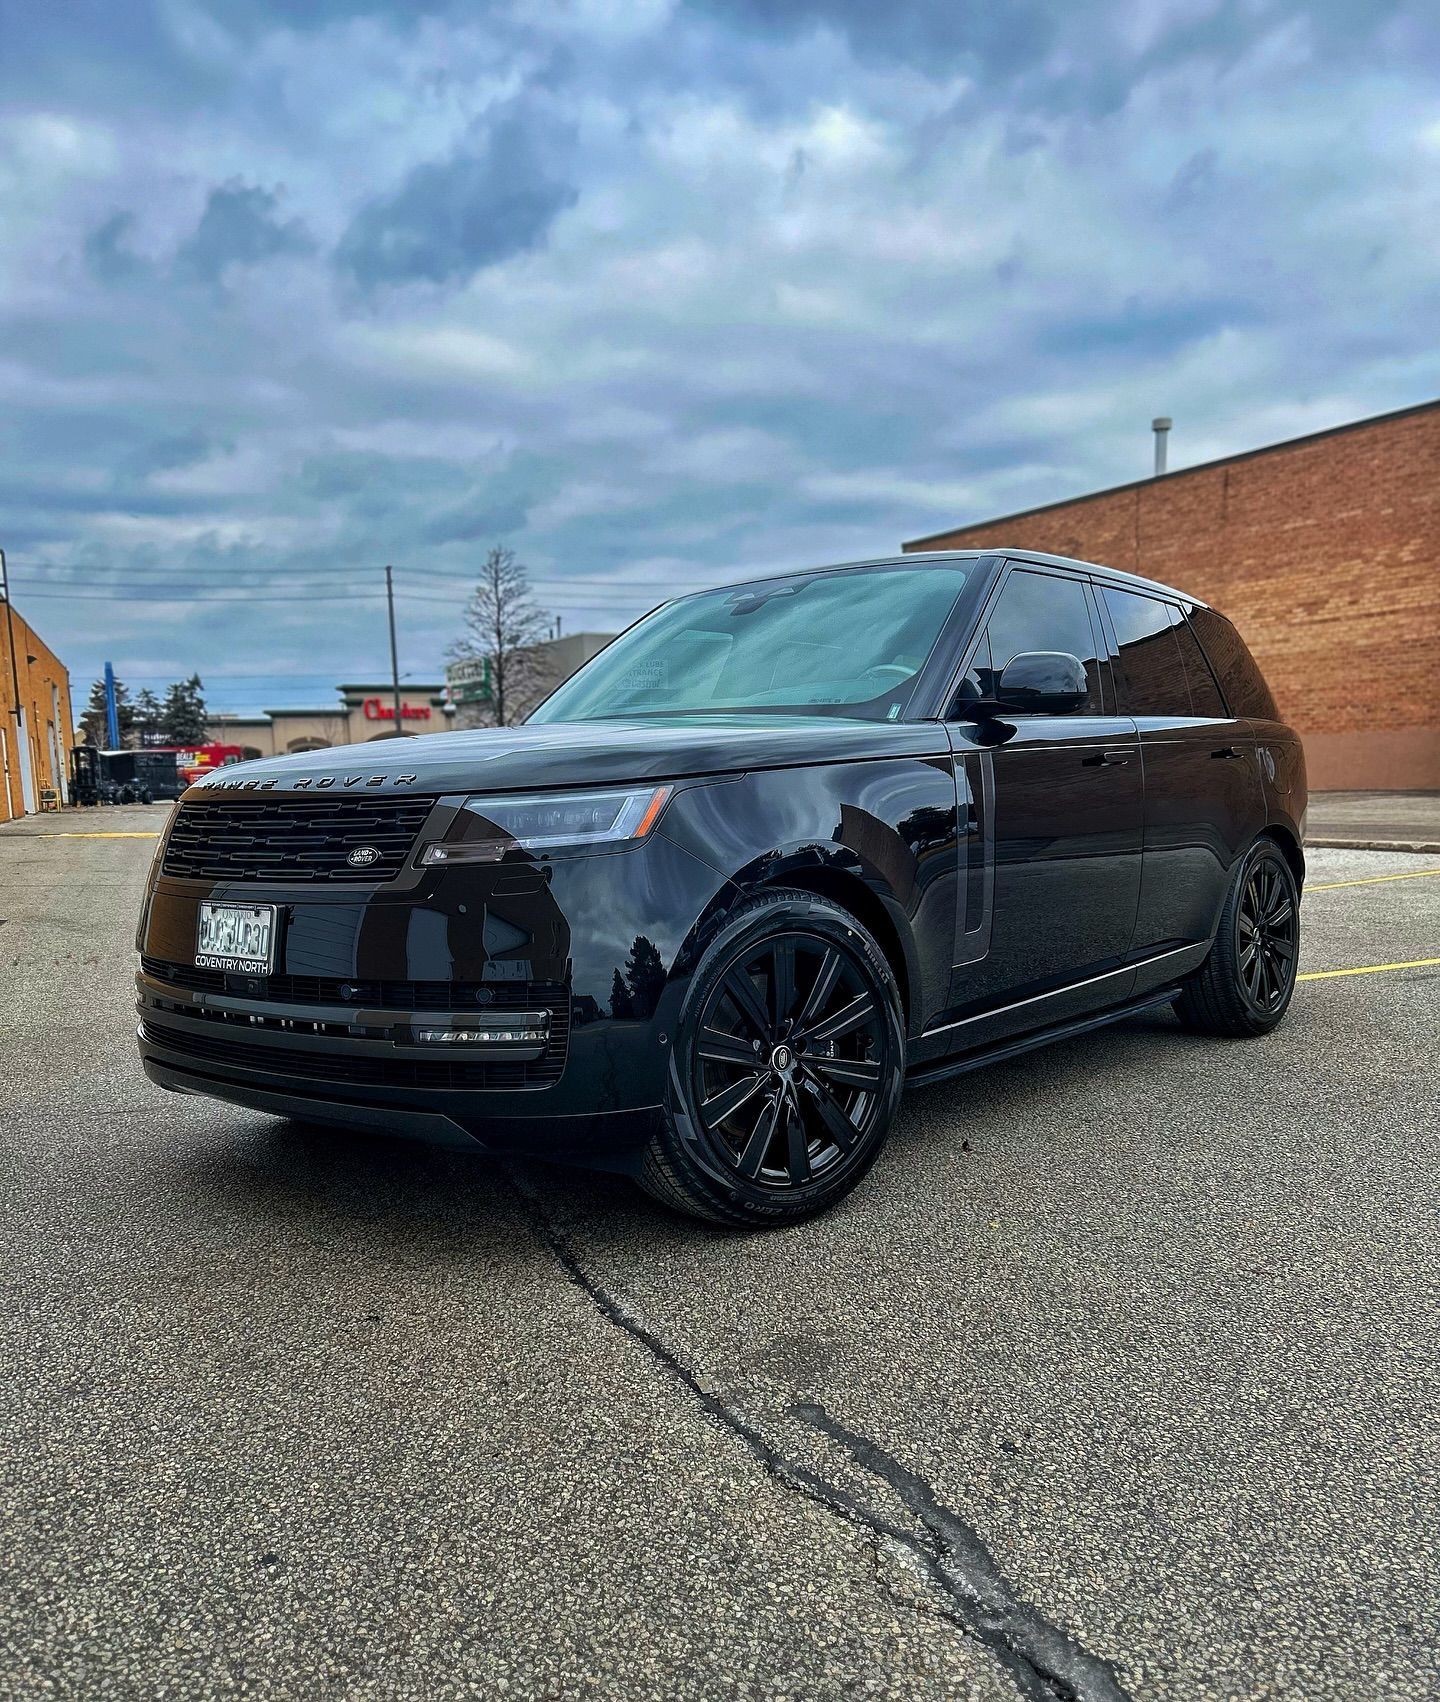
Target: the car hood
(579, 753)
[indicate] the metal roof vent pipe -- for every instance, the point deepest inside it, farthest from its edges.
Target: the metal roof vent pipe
(1161, 427)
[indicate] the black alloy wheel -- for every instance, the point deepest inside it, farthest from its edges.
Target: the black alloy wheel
(1245, 985)
(1268, 925)
(788, 1066)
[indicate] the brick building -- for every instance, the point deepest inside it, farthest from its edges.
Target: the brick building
(36, 731)
(1325, 552)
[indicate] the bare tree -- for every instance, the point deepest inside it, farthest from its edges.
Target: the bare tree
(502, 627)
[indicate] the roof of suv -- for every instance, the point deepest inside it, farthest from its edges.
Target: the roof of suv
(1116, 575)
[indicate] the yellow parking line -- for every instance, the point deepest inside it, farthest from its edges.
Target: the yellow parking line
(1369, 969)
(97, 835)
(1373, 880)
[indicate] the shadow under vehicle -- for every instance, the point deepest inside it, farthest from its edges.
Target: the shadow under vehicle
(780, 849)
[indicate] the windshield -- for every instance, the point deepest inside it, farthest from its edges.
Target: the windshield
(848, 643)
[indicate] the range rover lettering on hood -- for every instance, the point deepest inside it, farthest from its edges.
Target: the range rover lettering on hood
(313, 782)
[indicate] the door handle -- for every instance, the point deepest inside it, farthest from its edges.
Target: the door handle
(1106, 759)
(1228, 750)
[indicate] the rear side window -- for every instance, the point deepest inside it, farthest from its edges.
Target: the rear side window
(1152, 672)
(1243, 683)
(1205, 698)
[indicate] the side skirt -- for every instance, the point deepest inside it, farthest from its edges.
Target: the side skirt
(927, 1074)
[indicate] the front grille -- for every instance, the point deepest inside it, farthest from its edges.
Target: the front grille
(290, 840)
(340, 1069)
(380, 995)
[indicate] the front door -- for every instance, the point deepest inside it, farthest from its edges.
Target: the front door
(1057, 808)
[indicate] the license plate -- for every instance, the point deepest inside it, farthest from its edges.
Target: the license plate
(238, 938)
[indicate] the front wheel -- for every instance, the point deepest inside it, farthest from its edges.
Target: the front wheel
(1245, 985)
(786, 1067)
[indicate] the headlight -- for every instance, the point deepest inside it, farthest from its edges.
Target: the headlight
(550, 821)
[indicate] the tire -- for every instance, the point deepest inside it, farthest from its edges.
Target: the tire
(1245, 985)
(786, 1069)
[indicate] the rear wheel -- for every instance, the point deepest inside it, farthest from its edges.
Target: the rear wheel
(1245, 985)
(786, 1068)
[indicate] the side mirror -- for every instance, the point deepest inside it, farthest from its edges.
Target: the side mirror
(1039, 682)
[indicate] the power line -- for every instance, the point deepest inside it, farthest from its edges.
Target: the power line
(152, 594)
(465, 575)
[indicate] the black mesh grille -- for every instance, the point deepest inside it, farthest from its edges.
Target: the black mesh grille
(382, 995)
(249, 839)
(221, 1053)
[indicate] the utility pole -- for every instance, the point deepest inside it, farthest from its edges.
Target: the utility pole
(10, 631)
(394, 653)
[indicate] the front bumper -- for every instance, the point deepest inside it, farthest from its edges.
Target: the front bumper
(338, 1034)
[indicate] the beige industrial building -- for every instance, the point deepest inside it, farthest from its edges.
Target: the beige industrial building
(363, 712)
(366, 711)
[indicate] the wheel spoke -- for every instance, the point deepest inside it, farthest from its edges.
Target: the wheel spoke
(850, 1016)
(782, 980)
(1280, 915)
(753, 1153)
(1250, 974)
(729, 1100)
(745, 999)
(821, 989)
(797, 1144)
(721, 1048)
(850, 1072)
(1247, 952)
(1284, 948)
(839, 1127)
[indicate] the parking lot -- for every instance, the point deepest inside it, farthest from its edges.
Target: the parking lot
(1118, 1376)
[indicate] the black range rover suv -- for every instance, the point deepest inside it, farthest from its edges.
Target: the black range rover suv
(780, 849)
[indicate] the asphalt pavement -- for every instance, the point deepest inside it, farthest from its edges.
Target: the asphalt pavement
(1117, 1377)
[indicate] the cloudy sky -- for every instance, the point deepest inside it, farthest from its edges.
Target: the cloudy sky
(656, 291)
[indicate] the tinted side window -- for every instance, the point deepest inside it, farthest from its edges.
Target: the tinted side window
(1038, 611)
(1205, 698)
(1151, 670)
(1243, 682)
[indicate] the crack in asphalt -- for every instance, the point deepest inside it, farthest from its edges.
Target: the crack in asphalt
(1046, 1663)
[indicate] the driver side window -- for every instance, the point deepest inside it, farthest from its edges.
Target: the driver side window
(1036, 611)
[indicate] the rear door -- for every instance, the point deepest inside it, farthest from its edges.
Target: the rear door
(1203, 798)
(1056, 805)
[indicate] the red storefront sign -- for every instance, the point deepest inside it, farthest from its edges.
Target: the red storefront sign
(376, 709)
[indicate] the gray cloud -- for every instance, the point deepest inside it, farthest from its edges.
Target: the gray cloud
(240, 226)
(107, 252)
(494, 198)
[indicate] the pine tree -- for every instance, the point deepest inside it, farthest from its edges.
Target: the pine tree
(147, 718)
(182, 715)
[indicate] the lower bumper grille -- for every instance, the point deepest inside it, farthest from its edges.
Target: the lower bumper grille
(223, 1054)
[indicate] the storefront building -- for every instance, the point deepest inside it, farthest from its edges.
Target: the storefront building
(36, 730)
(364, 712)
(1324, 551)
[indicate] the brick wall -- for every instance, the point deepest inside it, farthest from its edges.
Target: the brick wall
(1325, 552)
(45, 699)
